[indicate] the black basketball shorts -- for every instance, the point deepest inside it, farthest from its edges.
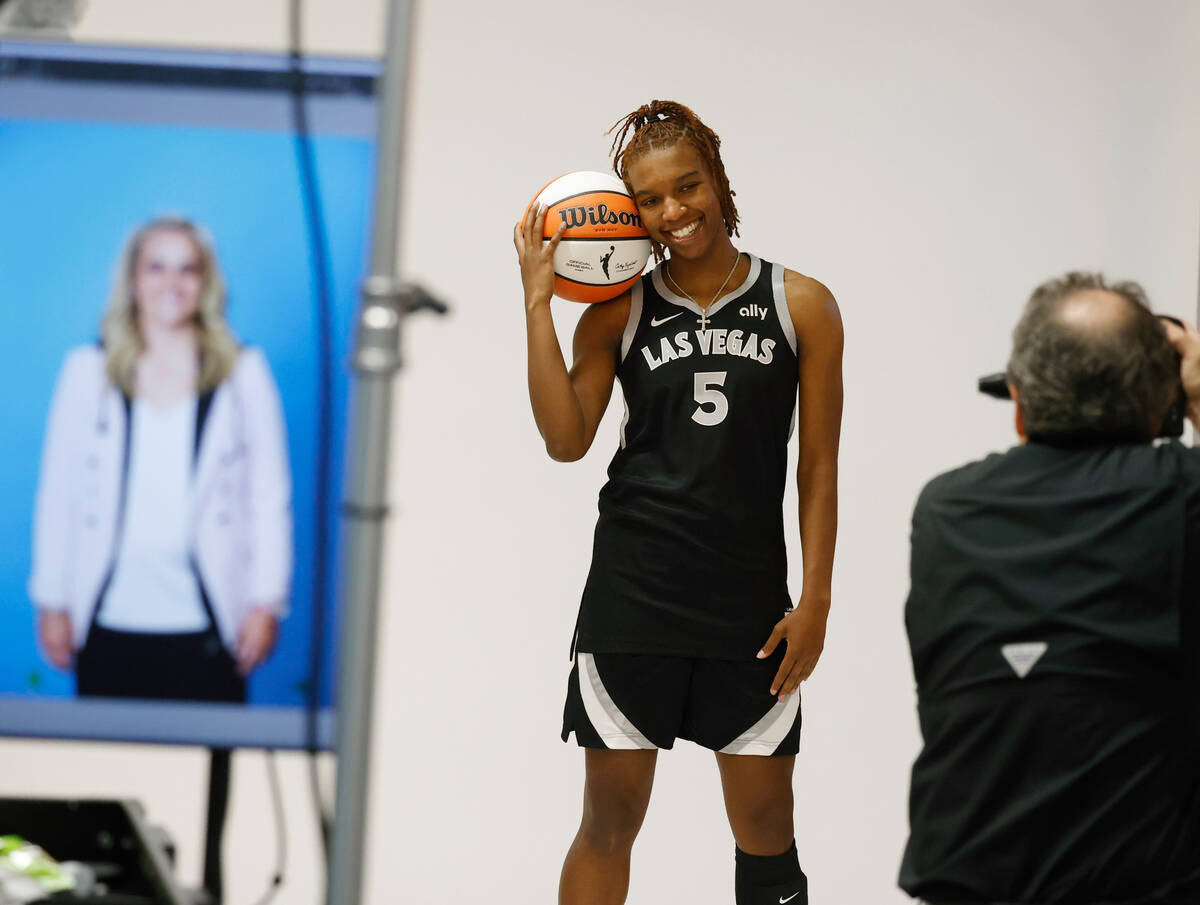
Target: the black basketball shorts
(646, 701)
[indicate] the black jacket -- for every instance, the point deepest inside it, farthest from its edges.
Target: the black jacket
(1052, 620)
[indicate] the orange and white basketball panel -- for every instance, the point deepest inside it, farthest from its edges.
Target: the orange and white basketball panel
(583, 292)
(576, 183)
(600, 262)
(607, 214)
(590, 204)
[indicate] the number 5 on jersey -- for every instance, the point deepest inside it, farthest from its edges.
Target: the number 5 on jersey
(706, 395)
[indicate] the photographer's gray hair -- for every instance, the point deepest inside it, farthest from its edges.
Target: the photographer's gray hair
(1080, 382)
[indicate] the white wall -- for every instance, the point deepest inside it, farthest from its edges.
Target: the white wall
(334, 27)
(931, 162)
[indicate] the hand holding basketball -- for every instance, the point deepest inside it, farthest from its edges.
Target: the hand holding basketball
(604, 246)
(536, 257)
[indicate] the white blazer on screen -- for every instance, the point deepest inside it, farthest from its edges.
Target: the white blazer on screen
(239, 510)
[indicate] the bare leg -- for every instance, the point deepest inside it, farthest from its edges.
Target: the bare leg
(616, 794)
(758, 801)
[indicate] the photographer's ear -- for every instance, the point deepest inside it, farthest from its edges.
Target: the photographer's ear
(1016, 398)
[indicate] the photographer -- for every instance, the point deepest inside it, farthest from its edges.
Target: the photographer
(1052, 621)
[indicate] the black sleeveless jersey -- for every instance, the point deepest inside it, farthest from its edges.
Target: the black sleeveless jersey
(689, 554)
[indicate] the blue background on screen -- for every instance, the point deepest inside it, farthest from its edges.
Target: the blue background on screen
(72, 193)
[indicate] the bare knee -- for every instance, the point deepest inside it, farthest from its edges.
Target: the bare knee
(762, 825)
(611, 820)
(759, 802)
(615, 797)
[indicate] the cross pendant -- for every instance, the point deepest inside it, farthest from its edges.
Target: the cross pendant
(704, 320)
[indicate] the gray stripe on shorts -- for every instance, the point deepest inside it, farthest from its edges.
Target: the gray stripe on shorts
(613, 727)
(767, 734)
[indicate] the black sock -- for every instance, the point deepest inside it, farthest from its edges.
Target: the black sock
(769, 879)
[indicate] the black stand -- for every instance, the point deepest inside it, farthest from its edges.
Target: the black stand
(220, 760)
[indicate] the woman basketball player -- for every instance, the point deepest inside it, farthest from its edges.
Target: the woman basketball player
(685, 627)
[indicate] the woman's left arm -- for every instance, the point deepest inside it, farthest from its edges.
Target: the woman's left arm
(270, 492)
(819, 341)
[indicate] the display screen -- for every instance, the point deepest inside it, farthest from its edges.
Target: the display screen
(173, 436)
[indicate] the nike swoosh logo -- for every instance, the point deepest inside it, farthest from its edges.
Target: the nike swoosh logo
(789, 898)
(654, 321)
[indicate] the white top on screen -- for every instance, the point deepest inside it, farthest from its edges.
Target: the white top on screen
(154, 588)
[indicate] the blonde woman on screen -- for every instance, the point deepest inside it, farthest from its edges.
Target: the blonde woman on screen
(162, 527)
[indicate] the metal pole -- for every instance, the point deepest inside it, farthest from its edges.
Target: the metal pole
(375, 362)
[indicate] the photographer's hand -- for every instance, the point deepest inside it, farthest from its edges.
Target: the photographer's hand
(1186, 340)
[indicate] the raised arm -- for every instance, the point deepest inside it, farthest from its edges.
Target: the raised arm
(1186, 340)
(567, 404)
(819, 340)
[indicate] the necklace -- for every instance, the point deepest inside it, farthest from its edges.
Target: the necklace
(704, 309)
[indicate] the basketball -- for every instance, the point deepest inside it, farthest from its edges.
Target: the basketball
(605, 247)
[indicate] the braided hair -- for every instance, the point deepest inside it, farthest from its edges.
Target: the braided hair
(663, 124)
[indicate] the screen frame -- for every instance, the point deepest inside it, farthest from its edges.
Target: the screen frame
(224, 89)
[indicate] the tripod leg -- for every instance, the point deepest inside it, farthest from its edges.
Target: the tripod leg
(220, 760)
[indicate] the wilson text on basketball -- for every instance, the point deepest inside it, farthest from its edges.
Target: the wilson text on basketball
(599, 215)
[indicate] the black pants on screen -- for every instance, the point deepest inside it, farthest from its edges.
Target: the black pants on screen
(193, 666)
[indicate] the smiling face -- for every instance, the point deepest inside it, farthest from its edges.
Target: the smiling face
(678, 200)
(168, 280)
